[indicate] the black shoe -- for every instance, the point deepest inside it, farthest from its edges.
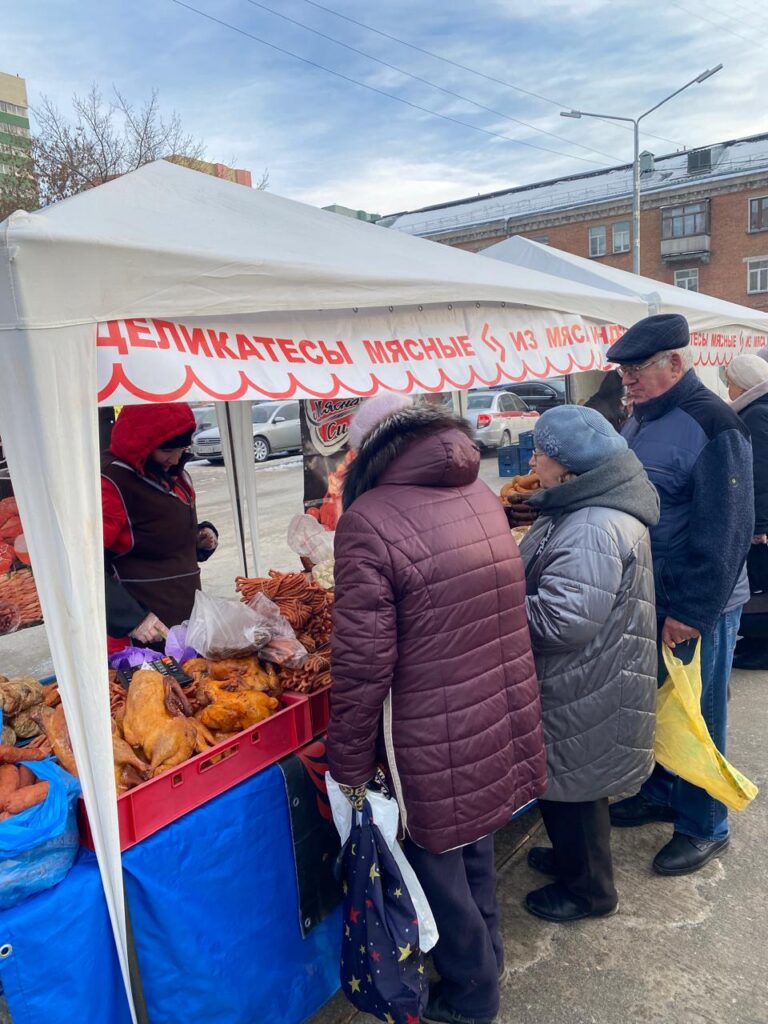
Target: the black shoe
(683, 854)
(439, 1012)
(754, 661)
(636, 810)
(542, 859)
(554, 903)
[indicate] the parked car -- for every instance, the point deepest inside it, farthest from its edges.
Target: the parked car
(540, 395)
(276, 428)
(498, 418)
(205, 417)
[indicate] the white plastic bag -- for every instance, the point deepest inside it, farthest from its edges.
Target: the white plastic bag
(387, 816)
(282, 648)
(224, 629)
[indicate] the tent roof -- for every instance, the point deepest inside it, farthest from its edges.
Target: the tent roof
(167, 241)
(704, 312)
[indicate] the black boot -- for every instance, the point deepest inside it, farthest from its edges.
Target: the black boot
(555, 903)
(636, 810)
(542, 859)
(684, 854)
(751, 654)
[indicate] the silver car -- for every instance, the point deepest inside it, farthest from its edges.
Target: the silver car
(497, 418)
(276, 428)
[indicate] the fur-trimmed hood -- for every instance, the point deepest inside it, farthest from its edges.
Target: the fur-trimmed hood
(417, 447)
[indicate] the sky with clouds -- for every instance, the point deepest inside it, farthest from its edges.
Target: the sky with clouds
(343, 138)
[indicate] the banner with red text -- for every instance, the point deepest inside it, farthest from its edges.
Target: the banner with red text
(332, 357)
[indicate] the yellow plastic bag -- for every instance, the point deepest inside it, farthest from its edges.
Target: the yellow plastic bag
(683, 743)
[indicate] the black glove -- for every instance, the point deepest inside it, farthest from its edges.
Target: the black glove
(521, 514)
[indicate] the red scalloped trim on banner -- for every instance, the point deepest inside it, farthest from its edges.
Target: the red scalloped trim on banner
(119, 378)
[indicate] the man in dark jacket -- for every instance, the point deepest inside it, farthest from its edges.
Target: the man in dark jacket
(697, 453)
(431, 652)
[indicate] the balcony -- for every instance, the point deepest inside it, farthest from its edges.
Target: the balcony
(686, 248)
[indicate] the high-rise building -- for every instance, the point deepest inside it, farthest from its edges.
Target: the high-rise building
(14, 127)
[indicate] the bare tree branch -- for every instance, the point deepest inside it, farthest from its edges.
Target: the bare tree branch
(98, 141)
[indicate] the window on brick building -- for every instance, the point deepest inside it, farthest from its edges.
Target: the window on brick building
(757, 276)
(597, 241)
(684, 221)
(758, 214)
(687, 279)
(543, 239)
(621, 236)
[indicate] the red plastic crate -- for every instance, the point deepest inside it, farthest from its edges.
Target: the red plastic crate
(154, 804)
(320, 709)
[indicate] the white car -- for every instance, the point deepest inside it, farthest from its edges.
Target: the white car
(276, 428)
(498, 418)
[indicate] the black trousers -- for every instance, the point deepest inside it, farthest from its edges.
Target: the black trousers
(460, 887)
(580, 834)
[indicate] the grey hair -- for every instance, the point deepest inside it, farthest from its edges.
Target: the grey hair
(686, 357)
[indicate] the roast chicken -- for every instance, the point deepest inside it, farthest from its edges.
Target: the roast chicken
(231, 710)
(166, 739)
(54, 725)
(130, 770)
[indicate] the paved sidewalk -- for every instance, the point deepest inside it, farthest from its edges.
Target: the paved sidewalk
(690, 950)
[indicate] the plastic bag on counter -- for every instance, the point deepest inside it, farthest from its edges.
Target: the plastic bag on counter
(310, 540)
(38, 846)
(219, 628)
(282, 648)
(301, 529)
(131, 657)
(176, 645)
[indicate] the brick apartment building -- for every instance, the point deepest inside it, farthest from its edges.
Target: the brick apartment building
(704, 218)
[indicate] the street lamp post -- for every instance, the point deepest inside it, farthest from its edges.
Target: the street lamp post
(635, 122)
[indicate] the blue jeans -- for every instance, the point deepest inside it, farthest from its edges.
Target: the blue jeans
(697, 813)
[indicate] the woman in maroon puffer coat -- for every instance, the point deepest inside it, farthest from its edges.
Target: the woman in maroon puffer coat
(430, 608)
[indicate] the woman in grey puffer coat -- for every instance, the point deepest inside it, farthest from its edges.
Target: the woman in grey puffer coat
(592, 619)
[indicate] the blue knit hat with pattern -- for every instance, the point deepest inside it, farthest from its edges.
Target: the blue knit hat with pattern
(578, 438)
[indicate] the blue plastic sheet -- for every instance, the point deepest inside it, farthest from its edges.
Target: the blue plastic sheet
(57, 956)
(214, 908)
(39, 845)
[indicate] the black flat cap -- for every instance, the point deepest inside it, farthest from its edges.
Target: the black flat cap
(649, 336)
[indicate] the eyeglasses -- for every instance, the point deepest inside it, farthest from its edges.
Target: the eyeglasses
(633, 369)
(536, 454)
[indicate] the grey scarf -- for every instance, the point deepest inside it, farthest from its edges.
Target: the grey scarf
(620, 483)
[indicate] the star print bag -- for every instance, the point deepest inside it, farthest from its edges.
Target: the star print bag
(382, 966)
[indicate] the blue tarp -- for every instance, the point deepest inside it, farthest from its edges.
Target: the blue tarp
(215, 911)
(62, 965)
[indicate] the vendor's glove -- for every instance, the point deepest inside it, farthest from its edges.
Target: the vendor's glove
(521, 514)
(355, 795)
(150, 631)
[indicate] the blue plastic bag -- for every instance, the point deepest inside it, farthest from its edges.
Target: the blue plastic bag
(39, 845)
(382, 966)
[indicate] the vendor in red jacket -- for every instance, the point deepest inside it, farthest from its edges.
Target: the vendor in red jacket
(152, 539)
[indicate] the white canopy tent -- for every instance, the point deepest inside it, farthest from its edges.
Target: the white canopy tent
(720, 330)
(167, 285)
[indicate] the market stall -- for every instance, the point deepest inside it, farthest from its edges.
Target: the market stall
(168, 285)
(720, 330)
